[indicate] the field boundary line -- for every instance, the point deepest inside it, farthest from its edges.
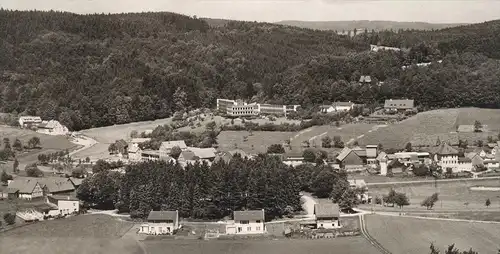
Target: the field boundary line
(442, 219)
(366, 234)
(439, 181)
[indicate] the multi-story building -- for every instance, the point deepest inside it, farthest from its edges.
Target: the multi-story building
(243, 110)
(160, 223)
(224, 104)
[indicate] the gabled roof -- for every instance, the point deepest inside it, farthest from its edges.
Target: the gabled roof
(249, 215)
(471, 155)
(360, 153)
(343, 154)
(163, 216)
(170, 144)
(139, 140)
(188, 155)
(203, 153)
(326, 210)
(133, 149)
(49, 124)
(399, 104)
(445, 149)
(23, 184)
(56, 184)
(76, 181)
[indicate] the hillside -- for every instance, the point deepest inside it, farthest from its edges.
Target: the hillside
(99, 70)
(377, 25)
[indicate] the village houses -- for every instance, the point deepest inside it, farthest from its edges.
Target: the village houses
(399, 106)
(247, 222)
(166, 147)
(160, 223)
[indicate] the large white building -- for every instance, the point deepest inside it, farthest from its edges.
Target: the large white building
(52, 127)
(247, 222)
(160, 223)
(65, 204)
(240, 108)
(28, 121)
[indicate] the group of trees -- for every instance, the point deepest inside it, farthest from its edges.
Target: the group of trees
(396, 198)
(133, 67)
(9, 150)
(213, 192)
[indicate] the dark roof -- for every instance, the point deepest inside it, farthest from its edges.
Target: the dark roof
(56, 184)
(464, 159)
(360, 153)
(24, 184)
(163, 216)
(326, 210)
(445, 149)
(12, 190)
(188, 155)
(399, 104)
(249, 215)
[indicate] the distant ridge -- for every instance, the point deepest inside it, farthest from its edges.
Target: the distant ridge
(377, 25)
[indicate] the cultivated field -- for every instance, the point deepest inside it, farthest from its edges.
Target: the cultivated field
(257, 143)
(489, 117)
(397, 135)
(49, 143)
(414, 236)
(78, 234)
(352, 245)
(452, 195)
(348, 132)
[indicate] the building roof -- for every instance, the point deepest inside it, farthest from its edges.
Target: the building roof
(30, 118)
(445, 149)
(63, 198)
(49, 124)
(76, 181)
(343, 104)
(360, 153)
(465, 128)
(249, 215)
(464, 159)
(163, 216)
(188, 155)
(326, 210)
(399, 104)
(203, 153)
(56, 184)
(139, 140)
(151, 152)
(325, 106)
(133, 149)
(343, 154)
(471, 155)
(23, 184)
(12, 190)
(365, 79)
(170, 144)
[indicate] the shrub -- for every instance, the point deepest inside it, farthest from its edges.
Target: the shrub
(9, 218)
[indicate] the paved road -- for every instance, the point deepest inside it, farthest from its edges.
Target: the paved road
(373, 241)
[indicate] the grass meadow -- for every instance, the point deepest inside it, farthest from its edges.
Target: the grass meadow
(414, 236)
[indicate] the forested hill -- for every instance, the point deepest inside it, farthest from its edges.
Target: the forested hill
(97, 70)
(377, 25)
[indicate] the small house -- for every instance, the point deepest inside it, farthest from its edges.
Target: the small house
(399, 105)
(166, 147)
(247, 222)
(326, 109)
(134, 152)
(327, 215)
(342, 106)
(65, 204)
(25, 188)
(29, 121)
(160, 223)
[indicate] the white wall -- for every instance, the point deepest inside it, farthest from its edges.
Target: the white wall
(68, 206)
(251, 228)
(328, 224)
(463, 167)
(157, 228)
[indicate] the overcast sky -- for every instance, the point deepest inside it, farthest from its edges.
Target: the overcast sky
(436, 11)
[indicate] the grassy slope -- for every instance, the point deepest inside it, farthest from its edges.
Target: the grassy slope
(79, 234)
(352, 245)
(414, 236)
(260, 140)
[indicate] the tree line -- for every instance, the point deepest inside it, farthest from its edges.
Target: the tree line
(214, 191)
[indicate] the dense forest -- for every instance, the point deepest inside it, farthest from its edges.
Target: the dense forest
(213, 192)
(98, 70)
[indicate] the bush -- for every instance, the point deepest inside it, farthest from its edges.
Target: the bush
(9, 218)
(276, 148)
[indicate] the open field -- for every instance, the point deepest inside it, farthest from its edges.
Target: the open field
(352, 245)
(78, 234)
(260, 140)
(346, 132)
(397, 135)
(489, 117)
(414, 236)
(452, 195)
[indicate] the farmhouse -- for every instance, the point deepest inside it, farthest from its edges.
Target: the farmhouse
(65, 204)
(52, 127)
(160, 223)
(24, 188)
(227, 156)
(149, 155)
(203, 153)
(398, 105)
(134, 152)
(327, 215)
(166, 147)
(356, 158)
(247, 222)
(29, 121)
(55, 185)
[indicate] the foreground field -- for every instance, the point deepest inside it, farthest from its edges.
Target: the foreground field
(352, 245)
(452, 195)
(79, 234)
(414, 236)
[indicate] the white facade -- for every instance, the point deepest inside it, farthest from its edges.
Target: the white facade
(328, 223)
(376, 48)
(327, 109)
(246, 227)
(152, 228)
(463, 167)
(447, 161)
(243, 110)
(29, 120)
(52, 127)
(65, 204)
